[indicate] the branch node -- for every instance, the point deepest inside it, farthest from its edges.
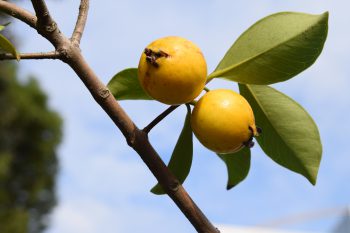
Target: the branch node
(104, 92)
(63, 52)
(174, 186)
(50, 28)
(131, 139)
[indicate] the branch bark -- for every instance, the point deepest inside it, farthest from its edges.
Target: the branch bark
(136, 138)
(42, 12)
(35, 56)
(19, 13)
(81, 21)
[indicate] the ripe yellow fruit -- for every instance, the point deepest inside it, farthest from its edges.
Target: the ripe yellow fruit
(172, 70)
(223, 121)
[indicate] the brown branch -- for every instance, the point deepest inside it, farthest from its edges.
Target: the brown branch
(48, 28)
(41, 11)
(136, 138)
(19, 13)
(159, 118)
(81, 21)
(37, 56)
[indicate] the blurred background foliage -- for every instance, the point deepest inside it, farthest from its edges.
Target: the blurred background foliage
(29, 135)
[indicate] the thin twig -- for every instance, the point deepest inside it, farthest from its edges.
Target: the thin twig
(81, 21)
(19, 13)
(193, 102)
(159, 118)
(34, 56)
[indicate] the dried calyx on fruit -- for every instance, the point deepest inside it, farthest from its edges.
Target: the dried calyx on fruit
(172, 70)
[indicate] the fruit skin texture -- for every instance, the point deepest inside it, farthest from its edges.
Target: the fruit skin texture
(172, 70)
(223, 121)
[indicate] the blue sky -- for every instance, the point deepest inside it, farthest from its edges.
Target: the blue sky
(103, 186)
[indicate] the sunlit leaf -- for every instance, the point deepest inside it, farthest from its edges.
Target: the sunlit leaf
(181, 159)
(126, 86)
(290, 136)
(275, 49)
(8, 47)
(238, 165)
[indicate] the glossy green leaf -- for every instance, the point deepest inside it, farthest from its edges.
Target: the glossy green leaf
(181, 159)
(8, 47)
(126, 86)
(290, 136)
(238, 165)
(275, 49)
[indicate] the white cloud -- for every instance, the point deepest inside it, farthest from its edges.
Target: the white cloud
(83, 215)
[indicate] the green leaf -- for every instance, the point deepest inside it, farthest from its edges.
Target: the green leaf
(126, 86)
(275, 49)
(8, 47)
(238, 165)
(181, 159)
(2, 27)
(290, 136)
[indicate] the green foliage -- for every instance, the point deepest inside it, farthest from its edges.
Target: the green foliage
(238, 165)
(14, 221)
(6, 45)
(290, 135)
(126, 86)
(274, 49)
(29, 135)
(181, 159)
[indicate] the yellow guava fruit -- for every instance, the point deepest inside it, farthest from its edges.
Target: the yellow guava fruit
(223, 121)
(172, 70)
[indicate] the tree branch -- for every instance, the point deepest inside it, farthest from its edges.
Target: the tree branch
(48, 28)
(48, 55)
(136, 138)
(81, 21)
(159, 118)
(19, 13)
(41, 11)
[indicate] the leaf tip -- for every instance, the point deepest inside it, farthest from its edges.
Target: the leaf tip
(157, 190)
(229, 186)
(326, 14)
(313, 180)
